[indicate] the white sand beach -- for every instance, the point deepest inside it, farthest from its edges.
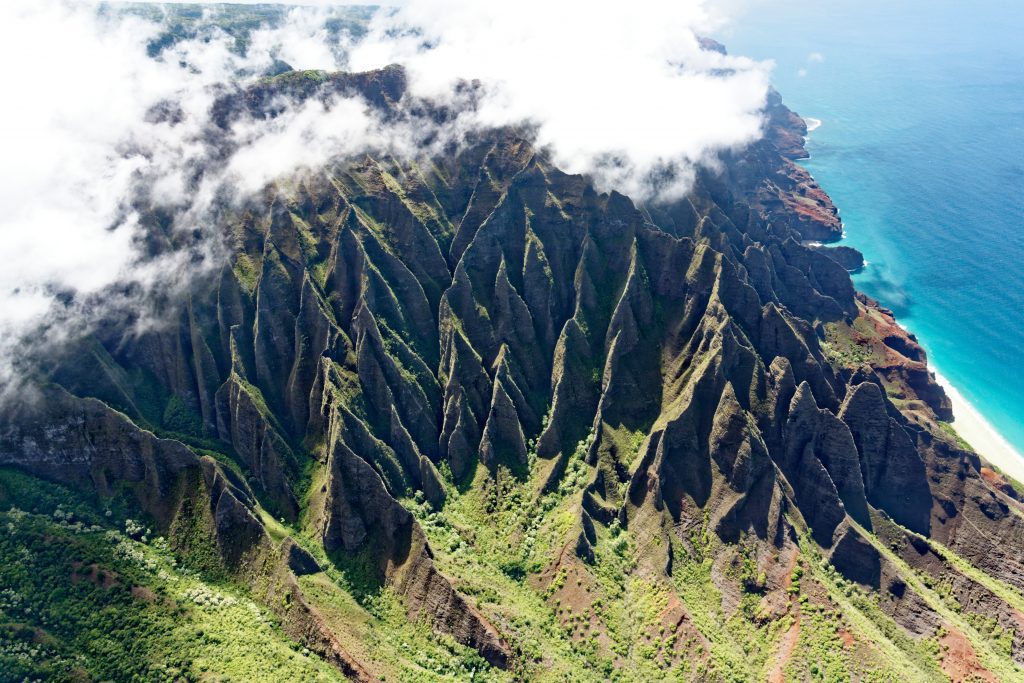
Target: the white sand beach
(972, 426)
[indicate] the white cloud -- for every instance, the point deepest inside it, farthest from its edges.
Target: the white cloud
(621, 91)
(302, 41)
(303, 3)
(80, 143)
(64, 176)
(815, 58)
(308, 136)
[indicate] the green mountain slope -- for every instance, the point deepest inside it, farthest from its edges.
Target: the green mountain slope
(467, 418)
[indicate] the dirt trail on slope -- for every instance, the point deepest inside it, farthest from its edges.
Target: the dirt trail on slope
(789, 641)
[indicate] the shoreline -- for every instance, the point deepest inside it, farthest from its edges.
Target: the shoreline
(970, 424)
(976, 430)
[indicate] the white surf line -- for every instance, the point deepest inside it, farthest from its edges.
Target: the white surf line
(976, 430)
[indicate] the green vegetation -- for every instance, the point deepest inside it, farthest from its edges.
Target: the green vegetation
(497, 539)
(180, 418)
(410, 650)
(988, 640)
(90, 594)
(892, 653)
(94, 594)
(845, 346)
(583, 582)
(739, 644)
(950, 430)
(819, 651)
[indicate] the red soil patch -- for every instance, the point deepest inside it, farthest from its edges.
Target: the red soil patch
(960, 662)
(991, 476)
(676, 619)
(999, 483)
(846, 637)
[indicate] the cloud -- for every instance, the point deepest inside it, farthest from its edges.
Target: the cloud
(98, 131)
(812, 58)
(621, 91)
(86, 154)
(302, 40)
(309, 135)
(302, 4)
(66, 175)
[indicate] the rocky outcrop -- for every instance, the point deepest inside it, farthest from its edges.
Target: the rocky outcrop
(785, 128)
(848, 257)
(772, 183)
(894, 475)
(903, 363)
(359, 521)
(83, 443)
(825, 466)
(243, 421)
(206, 511)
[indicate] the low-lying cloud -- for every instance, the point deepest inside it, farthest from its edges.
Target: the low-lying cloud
(622, 91)
(98, 129)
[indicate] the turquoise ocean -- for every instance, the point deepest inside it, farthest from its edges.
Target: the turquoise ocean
(921, 146)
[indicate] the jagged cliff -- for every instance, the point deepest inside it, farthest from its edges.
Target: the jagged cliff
(579, 437)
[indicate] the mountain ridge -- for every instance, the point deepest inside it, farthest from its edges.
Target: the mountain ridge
(631, 403)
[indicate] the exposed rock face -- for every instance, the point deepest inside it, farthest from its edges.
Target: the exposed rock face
(82, 442)
(847, 257)
(388, 327)
(821, 454)
(782, 190)
(894, 475)
(786, 129)
(903, 363)
(359, 517)
(249, 430)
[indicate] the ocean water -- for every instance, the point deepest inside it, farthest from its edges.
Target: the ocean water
(921, 146)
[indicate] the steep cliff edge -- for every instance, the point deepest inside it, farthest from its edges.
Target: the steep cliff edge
(472, 404)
